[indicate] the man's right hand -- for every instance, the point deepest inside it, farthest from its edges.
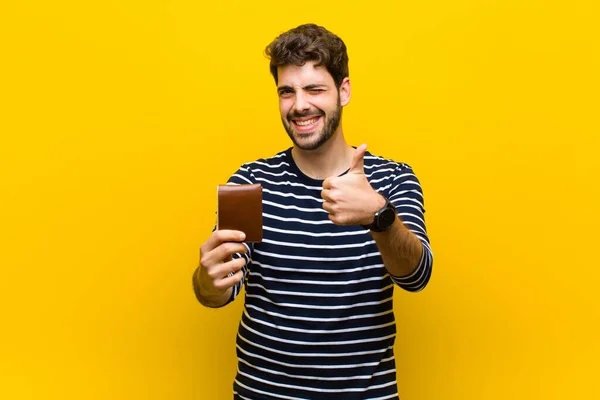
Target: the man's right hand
(216, 264)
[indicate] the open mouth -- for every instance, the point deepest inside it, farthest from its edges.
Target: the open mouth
(307, 123)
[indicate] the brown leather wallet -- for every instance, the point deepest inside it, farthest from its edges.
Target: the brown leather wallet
(239, 207)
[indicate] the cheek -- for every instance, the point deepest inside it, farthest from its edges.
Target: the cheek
(327, 105)
(284, 108)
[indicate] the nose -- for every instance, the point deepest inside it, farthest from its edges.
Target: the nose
(301, 104)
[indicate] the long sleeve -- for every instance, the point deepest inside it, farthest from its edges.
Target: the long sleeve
(407, 196)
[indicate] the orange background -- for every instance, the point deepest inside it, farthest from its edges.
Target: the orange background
(119, 118)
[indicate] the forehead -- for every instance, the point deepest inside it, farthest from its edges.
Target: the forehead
(307, 74)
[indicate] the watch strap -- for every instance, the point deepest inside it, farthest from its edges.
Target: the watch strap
(374, 226)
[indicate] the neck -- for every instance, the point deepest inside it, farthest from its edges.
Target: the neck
(330, 159)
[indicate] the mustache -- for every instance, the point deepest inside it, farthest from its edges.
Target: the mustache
(293, 114)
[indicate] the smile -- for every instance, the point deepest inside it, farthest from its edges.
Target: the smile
(307, 122)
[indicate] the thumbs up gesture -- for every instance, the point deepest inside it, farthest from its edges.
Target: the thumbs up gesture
(350, 199)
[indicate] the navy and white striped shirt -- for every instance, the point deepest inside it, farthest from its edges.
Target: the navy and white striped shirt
(318, 320)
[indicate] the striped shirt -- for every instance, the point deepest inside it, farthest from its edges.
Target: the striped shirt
(318, 320)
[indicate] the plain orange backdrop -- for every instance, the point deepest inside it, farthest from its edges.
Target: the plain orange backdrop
(119, 118)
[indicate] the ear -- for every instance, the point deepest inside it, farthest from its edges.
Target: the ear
(345, 92)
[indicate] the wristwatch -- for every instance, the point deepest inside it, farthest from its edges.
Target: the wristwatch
(384, 218)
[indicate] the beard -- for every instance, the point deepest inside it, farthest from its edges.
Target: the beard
(332, 121)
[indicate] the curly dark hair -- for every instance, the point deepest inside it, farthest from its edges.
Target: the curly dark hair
(309, 42)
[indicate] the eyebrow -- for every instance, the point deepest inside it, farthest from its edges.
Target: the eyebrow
(307, 87)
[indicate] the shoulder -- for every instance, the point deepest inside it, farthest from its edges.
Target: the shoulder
(278, 160)
(275, 165)
(389, 176)
(377, 163)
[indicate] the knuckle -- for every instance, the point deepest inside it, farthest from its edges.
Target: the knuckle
(212, 274)
(220, 285)
(241, 248)
(238, 277)
(338, 219)
(205, 248)
(231, 248)
(241, 262)
(204, 261)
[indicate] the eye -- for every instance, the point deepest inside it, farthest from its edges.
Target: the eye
(316, 91)
(285, 92)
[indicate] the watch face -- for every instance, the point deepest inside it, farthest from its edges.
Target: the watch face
(386, 218)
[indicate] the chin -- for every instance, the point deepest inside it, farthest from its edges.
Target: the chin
(304, 145)
(313, 143)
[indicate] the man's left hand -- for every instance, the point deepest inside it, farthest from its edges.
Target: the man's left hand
(350, 199)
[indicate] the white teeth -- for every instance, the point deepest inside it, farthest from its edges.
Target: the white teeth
(308, 122)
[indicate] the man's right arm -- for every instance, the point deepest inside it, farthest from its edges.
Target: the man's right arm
(218, 271)
(215, 301)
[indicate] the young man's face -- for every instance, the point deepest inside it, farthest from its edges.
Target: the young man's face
(310, 104)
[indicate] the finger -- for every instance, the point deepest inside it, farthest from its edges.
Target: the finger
(220, 236)
(327, 207)
(358, 160)
(223, 252)
(229, 281)
(233, 266)
(225, 269)
(328, 183)
(326, 195)
(227, 249)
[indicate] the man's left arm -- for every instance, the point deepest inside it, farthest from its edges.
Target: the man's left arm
(404, 247)
(351, 200)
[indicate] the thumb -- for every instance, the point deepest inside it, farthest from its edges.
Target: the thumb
(358, 161)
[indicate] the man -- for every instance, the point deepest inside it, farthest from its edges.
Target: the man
(341, 228)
